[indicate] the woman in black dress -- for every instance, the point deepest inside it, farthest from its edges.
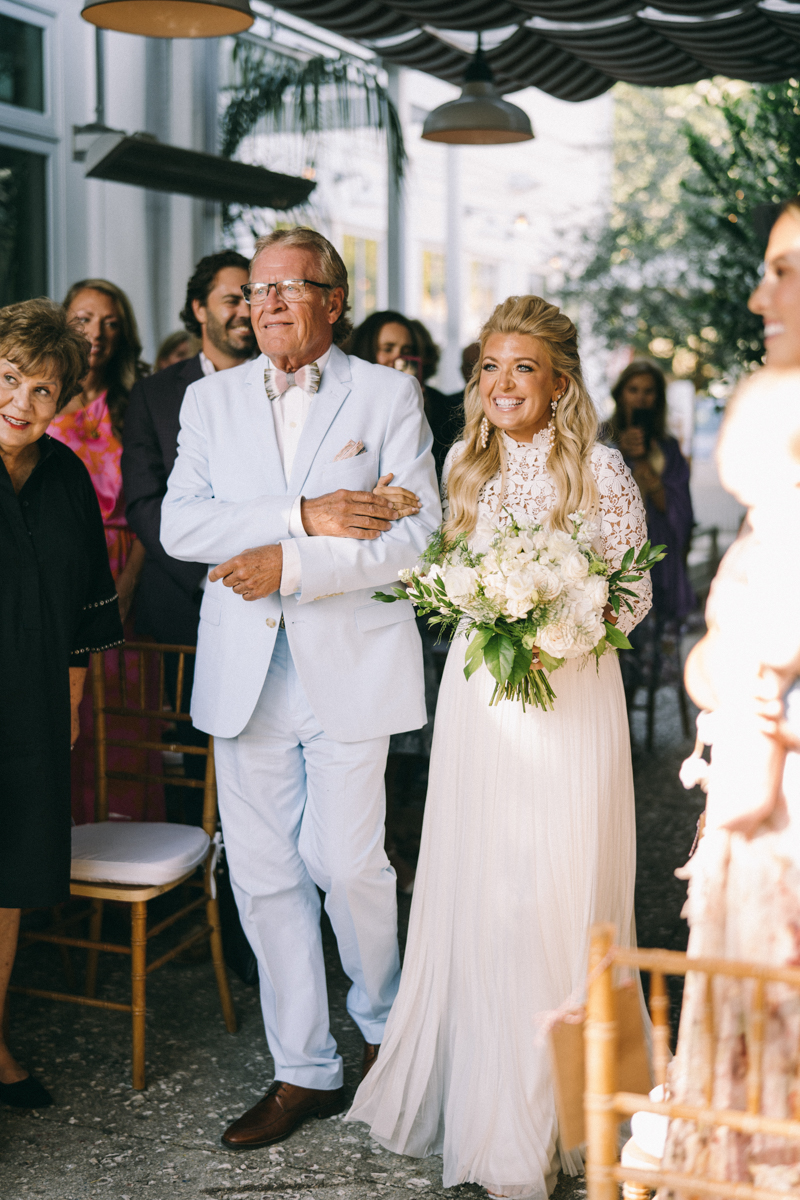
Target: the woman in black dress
(57, 604)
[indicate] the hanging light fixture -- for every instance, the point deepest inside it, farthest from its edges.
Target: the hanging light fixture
(170, 18)
(480, 116)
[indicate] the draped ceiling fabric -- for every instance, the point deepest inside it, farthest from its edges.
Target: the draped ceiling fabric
(574, 49)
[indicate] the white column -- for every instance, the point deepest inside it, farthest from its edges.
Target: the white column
(395, 227)
(449, 371)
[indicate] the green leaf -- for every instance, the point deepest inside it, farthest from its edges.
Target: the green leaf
(499, 656)
(385, 598)
(627, 559)
(615, 637)
(521, 667)
(548, 662)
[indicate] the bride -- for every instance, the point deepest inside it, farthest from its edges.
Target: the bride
(529, 824)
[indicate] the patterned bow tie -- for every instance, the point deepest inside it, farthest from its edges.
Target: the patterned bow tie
(277, 382)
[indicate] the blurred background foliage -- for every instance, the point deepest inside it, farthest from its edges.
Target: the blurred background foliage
(698, 172)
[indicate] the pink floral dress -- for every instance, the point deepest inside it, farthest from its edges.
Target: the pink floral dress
(89, 433)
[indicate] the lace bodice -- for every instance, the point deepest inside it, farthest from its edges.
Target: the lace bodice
(530, 493)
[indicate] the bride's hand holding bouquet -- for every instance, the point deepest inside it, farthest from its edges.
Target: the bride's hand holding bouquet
(531, 602)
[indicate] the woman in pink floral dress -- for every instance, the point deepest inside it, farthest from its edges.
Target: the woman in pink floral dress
(91, 425)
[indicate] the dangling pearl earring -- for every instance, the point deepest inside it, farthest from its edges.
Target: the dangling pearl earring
(555, 400)
(484, 434)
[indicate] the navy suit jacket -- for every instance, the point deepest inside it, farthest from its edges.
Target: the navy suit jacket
(168, 597)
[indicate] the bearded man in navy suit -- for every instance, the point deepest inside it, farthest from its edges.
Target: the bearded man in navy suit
(169, 593)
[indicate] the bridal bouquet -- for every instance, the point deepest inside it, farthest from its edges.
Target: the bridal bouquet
(530, 602)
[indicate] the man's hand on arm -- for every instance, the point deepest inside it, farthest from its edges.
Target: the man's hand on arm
(253, 574)
(347, 514)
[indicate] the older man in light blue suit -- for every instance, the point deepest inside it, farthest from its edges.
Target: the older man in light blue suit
(301, 675)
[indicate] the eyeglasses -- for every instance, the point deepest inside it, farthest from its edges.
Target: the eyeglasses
(286, 289)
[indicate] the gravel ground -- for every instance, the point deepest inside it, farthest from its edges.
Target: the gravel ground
(103, 1139)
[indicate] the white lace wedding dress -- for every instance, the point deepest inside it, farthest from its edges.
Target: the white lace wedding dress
(528, 839)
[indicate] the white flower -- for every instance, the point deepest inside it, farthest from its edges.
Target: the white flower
(521, 591)
(595, 588)
(460, 583)
(574, 567)
(547, 583)
(518, 608)
(558, 637)
(406, 575)
(559, 544)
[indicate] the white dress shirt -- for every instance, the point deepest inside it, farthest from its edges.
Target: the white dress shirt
(206, 365)
(289, 412)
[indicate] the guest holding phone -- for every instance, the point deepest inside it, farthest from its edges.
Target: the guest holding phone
(638, 429)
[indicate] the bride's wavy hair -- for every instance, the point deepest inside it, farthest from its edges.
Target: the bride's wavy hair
(575, 421)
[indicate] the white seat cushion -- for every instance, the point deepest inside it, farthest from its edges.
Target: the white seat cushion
(146, 853)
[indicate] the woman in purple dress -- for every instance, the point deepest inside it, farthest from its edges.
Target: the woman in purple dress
(638, 429)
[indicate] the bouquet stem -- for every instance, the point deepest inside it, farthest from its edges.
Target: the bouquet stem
(533, 689)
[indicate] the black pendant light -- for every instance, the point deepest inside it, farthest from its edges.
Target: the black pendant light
(480, 116)
(170, 18)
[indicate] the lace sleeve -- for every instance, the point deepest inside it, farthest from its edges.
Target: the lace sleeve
(623, 524)
(452, 454)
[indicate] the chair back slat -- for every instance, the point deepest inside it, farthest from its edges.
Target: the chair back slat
(123, 676)
(179, 684)
(99, 702)
(755, 1047)
(161, 681)
(708, 1038)
(142, 681)
(659, 1013)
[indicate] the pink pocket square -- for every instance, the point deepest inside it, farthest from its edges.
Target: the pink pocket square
(350, 451)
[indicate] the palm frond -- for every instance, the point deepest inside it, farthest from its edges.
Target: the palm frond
(308, 97)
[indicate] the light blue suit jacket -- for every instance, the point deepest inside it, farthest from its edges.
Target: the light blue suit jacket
(359, 660)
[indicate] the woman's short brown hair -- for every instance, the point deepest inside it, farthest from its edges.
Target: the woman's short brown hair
(36, 334)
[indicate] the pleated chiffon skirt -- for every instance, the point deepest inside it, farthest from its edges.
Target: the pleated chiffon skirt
(528, 839)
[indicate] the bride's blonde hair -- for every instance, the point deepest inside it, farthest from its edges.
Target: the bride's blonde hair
(575, 421)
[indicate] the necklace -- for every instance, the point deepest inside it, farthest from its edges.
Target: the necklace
(92, 429)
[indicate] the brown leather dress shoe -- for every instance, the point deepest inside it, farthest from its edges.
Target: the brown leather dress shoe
(370, 1058)
(283, 1108)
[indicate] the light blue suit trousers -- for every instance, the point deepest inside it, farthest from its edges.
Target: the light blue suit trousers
(301, 811)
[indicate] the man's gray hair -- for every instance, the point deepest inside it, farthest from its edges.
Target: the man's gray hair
(332, 269)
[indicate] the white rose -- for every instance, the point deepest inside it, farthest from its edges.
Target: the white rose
(546, 582)
(558, 638)
(559, 544)
(539, 540)
(587, 635)
(596, 591)
(574, 567)
(460, 583)
(518, 608)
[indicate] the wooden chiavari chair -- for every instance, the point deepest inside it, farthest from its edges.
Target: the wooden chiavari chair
(606, 1107)
(133, 862)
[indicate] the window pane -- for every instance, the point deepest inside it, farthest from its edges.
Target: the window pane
(482, 289)
(434, 301)
(23, 225)
(21, 74)
(360, 256)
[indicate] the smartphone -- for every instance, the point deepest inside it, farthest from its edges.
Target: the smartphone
(645, 419)
(411, 365)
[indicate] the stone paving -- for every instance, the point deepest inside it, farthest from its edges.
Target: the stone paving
(103, 1139)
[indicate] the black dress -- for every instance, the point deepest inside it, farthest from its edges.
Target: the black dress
(57, 603)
